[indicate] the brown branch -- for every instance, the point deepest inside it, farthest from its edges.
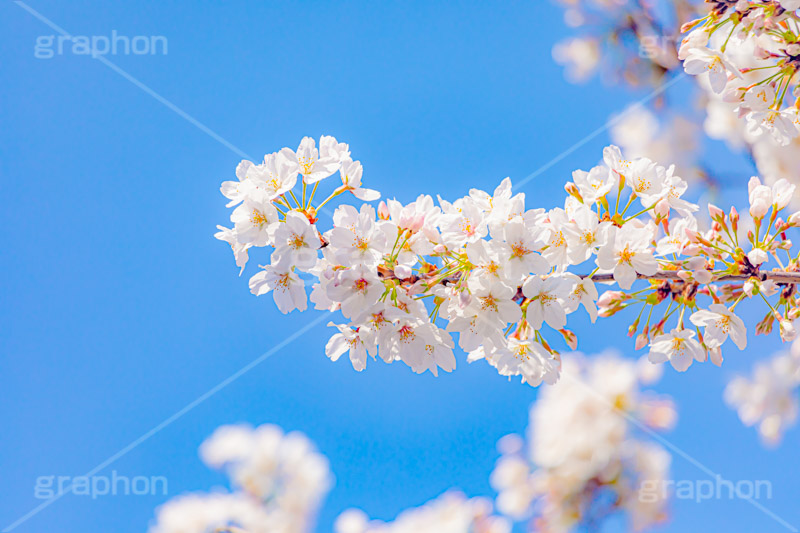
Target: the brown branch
(789, 278)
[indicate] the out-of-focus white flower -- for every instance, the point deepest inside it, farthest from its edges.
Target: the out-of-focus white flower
(581, 57)
(580, 461)
(768, 397)
(451, 512)
(279, 481)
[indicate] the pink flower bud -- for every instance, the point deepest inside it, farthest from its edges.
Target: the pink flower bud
(662, 208)
(383, 211)
(570, 338)
(402, 271)
(702, 276)
(609, 298)
(641, 341)
(715, 212)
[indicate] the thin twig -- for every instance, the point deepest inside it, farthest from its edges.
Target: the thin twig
(790, 278)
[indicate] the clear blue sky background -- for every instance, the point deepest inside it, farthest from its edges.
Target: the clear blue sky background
(119, 308)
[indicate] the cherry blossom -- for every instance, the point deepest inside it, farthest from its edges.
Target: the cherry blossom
(485, 267)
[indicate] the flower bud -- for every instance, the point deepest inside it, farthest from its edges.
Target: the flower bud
(662, 208)
(715, 212)
(383, 211)
(788, 333)
(794, 219)
(570, 338)
(703, 276)
(609, 298)
(402, 271)
(756, 256)
(692, 235)
(641, 340)
(691, 24)
(734, 216)
(573, 191)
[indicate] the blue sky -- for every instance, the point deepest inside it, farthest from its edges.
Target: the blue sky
(119, 308)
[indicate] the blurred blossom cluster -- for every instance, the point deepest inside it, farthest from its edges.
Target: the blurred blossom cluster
(582, 460)
(452, 512)
(768, 398)
(279, 481)
(628, 41)
(744, 54)
(744, 105)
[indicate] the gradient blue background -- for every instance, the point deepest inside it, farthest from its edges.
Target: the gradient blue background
(119, 307)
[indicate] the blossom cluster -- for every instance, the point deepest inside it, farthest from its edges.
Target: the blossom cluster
(452, 512)
(581, 448)
(279, 481)
(768, 398)
(580, 461)
(625, 39)
(503, 276)
(748, 51)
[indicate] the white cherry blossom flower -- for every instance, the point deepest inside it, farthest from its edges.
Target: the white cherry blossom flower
(357, 238)
(255, 222)
(522, 244)
(287, 288)
(357, 289)
(309, 163)
(275, 177)
(358, 342)
(529, 359)
(351, 172)
(594, 184)
(547, 297)
(585, 234)
(720, 323)
(679, 347)
(647, 180)
(492, 303)
(556, 248)
(716, 64)
(489, 260)
(239, 249)
(582, 292)
(627, 253)
(296, 242)
(464, 223)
